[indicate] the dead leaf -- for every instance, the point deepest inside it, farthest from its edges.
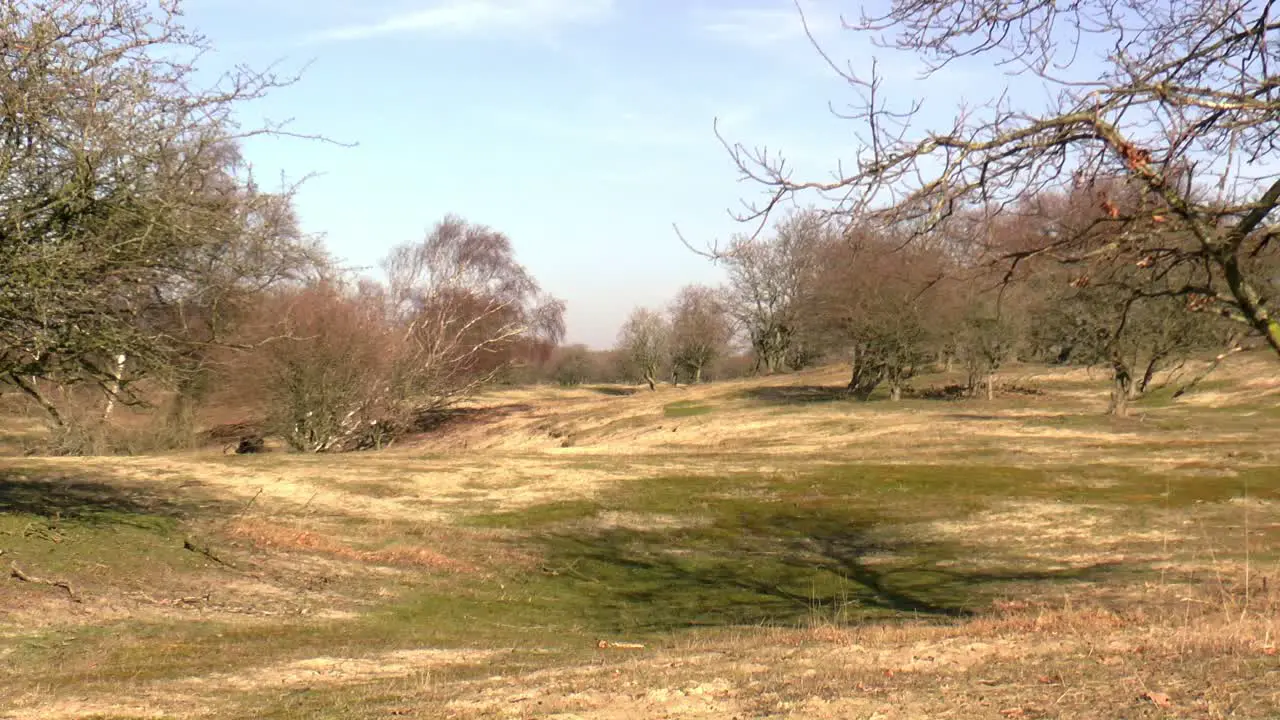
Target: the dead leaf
(1160, 699)
(1048, 680)
(1014, 712)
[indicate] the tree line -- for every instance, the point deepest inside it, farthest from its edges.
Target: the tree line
(891, 306)
(1126, 222)
(1123, 214)
(1140, 174)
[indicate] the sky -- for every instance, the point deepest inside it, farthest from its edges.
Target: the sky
(583, 129)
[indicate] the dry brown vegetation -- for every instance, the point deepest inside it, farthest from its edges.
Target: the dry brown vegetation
(773, 548)
(870, 540)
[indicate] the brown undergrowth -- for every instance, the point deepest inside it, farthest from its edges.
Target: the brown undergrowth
(267, 535)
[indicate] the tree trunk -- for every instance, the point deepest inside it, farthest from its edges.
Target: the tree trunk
(697, 374)
(1147, 376)
(864, 381)
(991, 386)
(1251, 304)
(1121, 387)
(895, 392)
(113, 389)
(32, 390)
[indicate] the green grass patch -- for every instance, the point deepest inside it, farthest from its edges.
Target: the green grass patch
(93, 532)
(782, 549)
(386, 488)
(685, 408)
(759, 549)
(537, 516)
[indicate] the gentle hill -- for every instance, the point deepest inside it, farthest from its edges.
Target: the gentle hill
(756, 548)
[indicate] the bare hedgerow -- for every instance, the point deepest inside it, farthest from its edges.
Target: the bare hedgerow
(346, 365)
(325, 381)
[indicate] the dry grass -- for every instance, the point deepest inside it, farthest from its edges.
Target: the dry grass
(1024, 557)
(265, 535)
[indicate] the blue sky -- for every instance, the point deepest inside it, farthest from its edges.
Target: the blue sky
(581, 128)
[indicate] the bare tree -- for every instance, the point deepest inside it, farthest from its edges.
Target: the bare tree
(126, 216)
(876, 303)
(700, 330)
(572, 365)
(1183, 107)
(467, 309)
(644, 341)
(361, 360)
(766, 279)
(332, 383)
(1114, 314)
(1133, 335)
(988, 332)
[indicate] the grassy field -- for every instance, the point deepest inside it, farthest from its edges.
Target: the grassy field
(751, 549)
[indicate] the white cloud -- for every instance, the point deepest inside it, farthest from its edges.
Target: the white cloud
(771, 27)
(478, 17)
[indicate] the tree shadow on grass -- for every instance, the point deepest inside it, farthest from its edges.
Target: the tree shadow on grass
(809, 394)
(796, 394)
(429, 421)
(76, 498)
(778, 566)
(612, 391)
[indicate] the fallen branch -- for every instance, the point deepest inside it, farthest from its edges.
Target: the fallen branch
(1212, 366)
(206, 551)
(16, 573)
(605, 645)
(47, 532)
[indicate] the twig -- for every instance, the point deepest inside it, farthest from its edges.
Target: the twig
(308, 502)
(245, 509)
(205, 551)
(16, 573)
(1212, 366)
